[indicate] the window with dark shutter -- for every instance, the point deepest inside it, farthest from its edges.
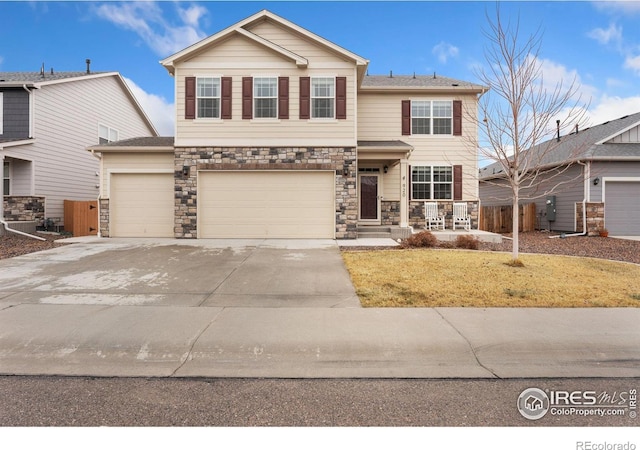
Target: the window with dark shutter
(341, 97)
(406, 117)
(190, 98)
(226, 98)
(457, 118)
(247, 97)
(457, 182)
(283, 97)
(305, 97)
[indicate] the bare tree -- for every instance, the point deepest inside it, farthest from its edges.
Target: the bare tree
(520, 113)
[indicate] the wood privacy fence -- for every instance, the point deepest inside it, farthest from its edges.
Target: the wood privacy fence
(81, 218)
(498, 219)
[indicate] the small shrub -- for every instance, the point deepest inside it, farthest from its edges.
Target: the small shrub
(635, 296)
(468, 242)
(423, 239)
(519, 293)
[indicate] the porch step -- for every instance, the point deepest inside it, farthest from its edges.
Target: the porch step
(373, 232)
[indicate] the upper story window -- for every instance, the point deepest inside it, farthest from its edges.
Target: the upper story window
(431, 117)
(322, 98)
(107, 134)
(265, 97)
(208, 97)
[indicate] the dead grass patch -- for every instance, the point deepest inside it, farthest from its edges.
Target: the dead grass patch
(435, 277)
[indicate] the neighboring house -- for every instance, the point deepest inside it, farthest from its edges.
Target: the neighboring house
(47, 120)
(598, 166)
(281, 133)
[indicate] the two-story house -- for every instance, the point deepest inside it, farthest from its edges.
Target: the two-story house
(281, 133)
(47, 120)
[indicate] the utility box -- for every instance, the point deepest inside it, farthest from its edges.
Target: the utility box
(551, 208)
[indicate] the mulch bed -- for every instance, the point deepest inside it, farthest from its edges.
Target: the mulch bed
(15, 245)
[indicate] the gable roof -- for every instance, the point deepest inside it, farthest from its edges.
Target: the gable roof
(242, 28)
(38, 80)
(590, 144)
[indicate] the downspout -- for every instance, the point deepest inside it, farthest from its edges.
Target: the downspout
(587, 175)
(21, 233)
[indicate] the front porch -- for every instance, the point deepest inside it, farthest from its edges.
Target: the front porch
(394, 233)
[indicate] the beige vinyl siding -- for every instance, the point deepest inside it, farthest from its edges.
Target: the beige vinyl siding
(293, 42)
(571, 191)
(262, 132)
(133, 163)
(629, 136)
(391, 184)
(380, 118)
(66, 119)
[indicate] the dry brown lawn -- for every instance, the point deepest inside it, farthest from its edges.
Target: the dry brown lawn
(436, 277)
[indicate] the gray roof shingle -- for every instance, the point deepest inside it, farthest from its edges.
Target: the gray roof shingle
(581, 146)
(39, 77)
(415, 81)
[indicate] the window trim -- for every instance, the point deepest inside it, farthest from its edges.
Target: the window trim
(275, 98)
(431, 117)
(110, 130)
(312, 98)
(432, 183)
(6, 178)
(218, 97)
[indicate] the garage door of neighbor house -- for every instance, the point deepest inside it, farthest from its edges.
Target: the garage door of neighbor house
(621, 212)
(141, 205)
(266, 204)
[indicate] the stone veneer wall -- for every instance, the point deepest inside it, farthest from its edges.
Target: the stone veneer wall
(104, 217)
(390, 212)
(339, 159)
(23, 208)
(595, 218)
(445, 207)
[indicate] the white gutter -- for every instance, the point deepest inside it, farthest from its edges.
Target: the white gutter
(22, 233)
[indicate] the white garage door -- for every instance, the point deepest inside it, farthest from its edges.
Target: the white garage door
(141, 205)
(621, 214)
(266, 204)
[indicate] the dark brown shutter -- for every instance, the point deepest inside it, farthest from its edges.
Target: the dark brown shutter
(283, 97)
(457, 118)
(226, 98)
(305, 97)
(457, 182)
(406, 117)
(190, 98)
(341, 97)
(247, 97)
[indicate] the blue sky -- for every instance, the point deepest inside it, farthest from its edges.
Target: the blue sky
(598, 43)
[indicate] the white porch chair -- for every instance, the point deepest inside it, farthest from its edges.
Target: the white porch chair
(431, 217)
(460, 216)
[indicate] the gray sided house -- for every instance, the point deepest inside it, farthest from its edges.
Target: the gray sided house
(597, 169)
(47, 120)
(281, 133)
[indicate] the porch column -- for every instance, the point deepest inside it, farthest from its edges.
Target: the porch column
(404, 193)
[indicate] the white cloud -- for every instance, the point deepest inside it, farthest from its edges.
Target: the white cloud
(625, 6)
(444, 51)
(157, 108)
(633, 63)
(610, 108)
(613, 34)
(555, 74)
(146, 19)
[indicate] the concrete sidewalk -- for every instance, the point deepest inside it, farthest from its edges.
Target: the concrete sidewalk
(204, 309)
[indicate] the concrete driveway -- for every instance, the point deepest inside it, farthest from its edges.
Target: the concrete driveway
(167, 272)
